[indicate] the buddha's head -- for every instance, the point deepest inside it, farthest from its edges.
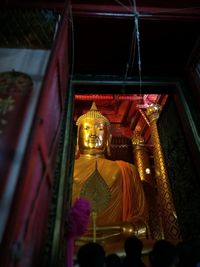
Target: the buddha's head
(93, 136)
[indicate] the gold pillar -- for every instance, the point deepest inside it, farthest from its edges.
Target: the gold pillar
(169, 219)
(142, 163)
(141, 158)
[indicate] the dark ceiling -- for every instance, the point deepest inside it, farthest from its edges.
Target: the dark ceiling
(105, 39)
(103, 46)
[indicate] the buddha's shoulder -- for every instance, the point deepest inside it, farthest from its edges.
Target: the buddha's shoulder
(98, 160)
(118, 164)
(104, 162)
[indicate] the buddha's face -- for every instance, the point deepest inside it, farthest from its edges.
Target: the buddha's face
(92, 136)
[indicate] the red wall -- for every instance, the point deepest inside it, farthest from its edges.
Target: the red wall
(26, 229)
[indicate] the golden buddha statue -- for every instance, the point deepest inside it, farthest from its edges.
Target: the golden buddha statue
(113, 187)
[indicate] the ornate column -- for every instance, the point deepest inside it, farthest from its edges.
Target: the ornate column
(169, 219)
(142, 163)
(141, 158)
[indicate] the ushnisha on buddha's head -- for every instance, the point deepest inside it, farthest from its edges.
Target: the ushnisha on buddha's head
(93, 138)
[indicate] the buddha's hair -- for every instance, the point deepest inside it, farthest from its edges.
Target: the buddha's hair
(93, 113)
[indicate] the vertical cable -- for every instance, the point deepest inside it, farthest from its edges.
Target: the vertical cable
(135, 37)
(138, 49)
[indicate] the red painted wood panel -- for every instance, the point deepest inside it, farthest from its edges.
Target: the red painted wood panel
(27, 225)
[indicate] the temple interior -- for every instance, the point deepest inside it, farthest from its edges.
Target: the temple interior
(99, 102)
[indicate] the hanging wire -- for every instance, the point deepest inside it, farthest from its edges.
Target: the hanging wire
(138, 49)
(134, 7)
(135, 41)
(136, 37)
(138, 44)
(131, 58)
(121, 4)
(131, 51)
(129, 65)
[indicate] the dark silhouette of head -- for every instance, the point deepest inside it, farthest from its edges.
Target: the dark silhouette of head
(133, 247)
(91, 255)
(113, 260)
(188, 253)
(163, 254)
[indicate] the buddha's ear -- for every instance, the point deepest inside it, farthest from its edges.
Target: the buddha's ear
(109, 139)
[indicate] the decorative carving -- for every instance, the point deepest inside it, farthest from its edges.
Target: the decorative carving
(15, 82)
(6, 105)
(141, 160)
(170, 226)
(137, 140)
(11, 83)
(93, 113)
(183, 176)
(96, 191)
(153, 112)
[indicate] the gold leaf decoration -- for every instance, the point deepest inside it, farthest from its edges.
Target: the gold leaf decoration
(96, 191)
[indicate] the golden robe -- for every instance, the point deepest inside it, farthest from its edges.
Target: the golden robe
(127, 203)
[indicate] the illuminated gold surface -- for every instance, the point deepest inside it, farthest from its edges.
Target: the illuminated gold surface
(106, 233)
(137, 139)
(127, 201)
(170, 226)
(93, 113)
(96, 191)
(93, 138)
(153, 112)
(141, 160)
